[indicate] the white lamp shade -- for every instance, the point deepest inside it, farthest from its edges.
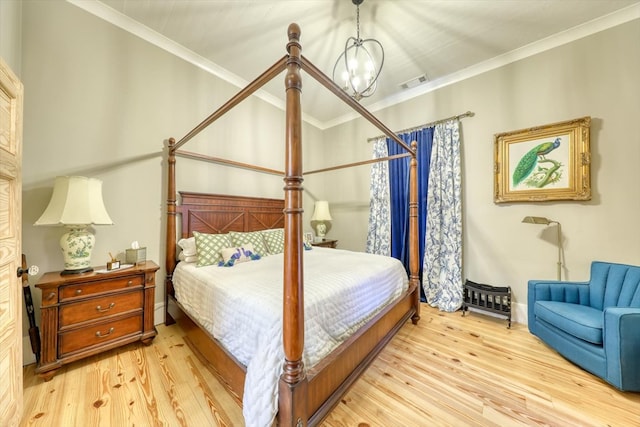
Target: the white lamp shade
(321, 211)
(76, 200)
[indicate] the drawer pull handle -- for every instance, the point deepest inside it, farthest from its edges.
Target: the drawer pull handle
(52, 295)
(130, 282)
(99, 334)
(102, 310)
(78, 291)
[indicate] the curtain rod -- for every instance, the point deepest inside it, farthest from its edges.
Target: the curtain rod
(426, 125)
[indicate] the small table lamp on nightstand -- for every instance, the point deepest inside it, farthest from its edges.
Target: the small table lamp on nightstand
(76, 203)
(320, 215)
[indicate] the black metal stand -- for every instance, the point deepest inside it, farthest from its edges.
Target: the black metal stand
(493, 299)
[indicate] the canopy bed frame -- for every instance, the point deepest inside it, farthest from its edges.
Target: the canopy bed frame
(305, 395)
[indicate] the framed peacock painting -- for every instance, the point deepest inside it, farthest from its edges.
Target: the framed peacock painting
(543, 163)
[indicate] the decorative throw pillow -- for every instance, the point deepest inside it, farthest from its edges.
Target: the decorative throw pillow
(274, 239)
(253, 237)
(232, 256)
(209, 246)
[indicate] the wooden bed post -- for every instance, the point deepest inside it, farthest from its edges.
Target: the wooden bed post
(292, 409)
(414, 261)
(171, 229)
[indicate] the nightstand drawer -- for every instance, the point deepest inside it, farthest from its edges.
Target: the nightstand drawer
(97, 308)
(83, 290)
(99, 334)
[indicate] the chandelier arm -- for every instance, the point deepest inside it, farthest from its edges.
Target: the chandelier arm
(374, 82)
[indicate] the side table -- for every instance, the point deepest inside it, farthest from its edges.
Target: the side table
(89, 313)
(326, 243)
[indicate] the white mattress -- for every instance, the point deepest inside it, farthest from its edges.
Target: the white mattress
(241, 306)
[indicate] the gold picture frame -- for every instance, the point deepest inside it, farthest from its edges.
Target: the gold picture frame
(543, 163)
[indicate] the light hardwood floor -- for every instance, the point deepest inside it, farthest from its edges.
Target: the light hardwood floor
(448, 370)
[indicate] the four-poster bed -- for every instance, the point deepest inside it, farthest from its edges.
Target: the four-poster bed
(305, 395)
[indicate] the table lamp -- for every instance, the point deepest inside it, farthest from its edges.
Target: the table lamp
(76, 203)
(321, 214)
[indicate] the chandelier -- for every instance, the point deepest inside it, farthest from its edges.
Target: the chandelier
(355, 70)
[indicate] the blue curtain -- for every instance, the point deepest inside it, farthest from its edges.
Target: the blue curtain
(399, 193)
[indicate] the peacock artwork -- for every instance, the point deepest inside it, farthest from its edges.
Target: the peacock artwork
(543, 163)
(539, 167)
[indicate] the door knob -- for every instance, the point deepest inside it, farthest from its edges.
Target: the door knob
(31, 271)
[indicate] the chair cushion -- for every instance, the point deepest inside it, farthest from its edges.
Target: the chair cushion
(581, 321)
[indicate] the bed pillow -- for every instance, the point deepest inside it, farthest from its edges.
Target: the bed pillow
(254, 237)
(208, 247)
(190, 259)
(232, 256)
(188, 252)
(274, 239)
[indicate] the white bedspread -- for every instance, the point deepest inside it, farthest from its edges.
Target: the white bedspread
(241, 306)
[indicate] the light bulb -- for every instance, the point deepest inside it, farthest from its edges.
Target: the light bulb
(356, 82)
(353, 65)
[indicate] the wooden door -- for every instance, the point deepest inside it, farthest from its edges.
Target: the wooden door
(10, 247)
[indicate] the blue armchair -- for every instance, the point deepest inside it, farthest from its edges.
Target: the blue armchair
(594, 324)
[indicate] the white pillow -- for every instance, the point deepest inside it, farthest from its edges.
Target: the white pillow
(188, 246)
(190, 259)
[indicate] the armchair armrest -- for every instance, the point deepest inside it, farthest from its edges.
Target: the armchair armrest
(621, 336)
(553, 290)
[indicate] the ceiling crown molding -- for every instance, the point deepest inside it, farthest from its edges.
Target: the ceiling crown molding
(114, 17)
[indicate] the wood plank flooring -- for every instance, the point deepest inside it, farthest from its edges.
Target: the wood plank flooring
(448, 370)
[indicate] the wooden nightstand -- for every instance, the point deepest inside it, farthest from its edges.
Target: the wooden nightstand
(326, 243)
(86, 314)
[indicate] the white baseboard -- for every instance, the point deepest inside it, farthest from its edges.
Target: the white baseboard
(518, 313)
(158, 313)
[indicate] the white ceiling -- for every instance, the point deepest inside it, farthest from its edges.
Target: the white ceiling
(446, 40)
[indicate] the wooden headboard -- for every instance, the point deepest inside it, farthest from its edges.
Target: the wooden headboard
(218, 214)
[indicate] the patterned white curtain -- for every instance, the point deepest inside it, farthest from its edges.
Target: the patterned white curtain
(379, 235)
(442, 264)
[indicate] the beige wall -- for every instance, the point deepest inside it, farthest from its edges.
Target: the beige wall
(101, 102)
(10, 34)
(595, 76)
